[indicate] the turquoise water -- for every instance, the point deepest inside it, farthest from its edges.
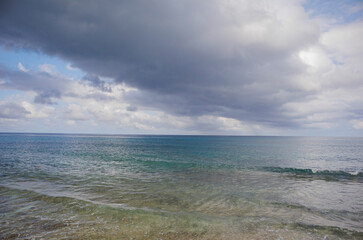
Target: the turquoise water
(180, 187)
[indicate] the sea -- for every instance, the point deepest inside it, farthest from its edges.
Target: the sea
(64, 186)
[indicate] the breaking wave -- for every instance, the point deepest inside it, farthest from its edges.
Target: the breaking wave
(328, 174)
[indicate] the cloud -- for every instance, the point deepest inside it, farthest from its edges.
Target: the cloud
(241, 63)
(95, 81)
(213, 58)
(75, 112)
(46, 96)
(358, 124)
(38, 112)
(10, 110)
(47, 84)
(50, 86)
(131, 108)
(344, 42)
(22, 68)
(70, 67)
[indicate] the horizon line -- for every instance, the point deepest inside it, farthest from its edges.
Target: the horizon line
(154, 134)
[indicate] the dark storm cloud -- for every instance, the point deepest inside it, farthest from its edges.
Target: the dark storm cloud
(95, 81)
(225, 58)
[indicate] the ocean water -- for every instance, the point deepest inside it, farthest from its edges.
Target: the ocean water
(180, 187)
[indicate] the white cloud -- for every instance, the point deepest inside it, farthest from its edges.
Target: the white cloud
(48, 68)
(22, 68)
(75, 112)
(44, 112)
(71, 122)
(357, 124)
(316, 59)
(70, 67)
(345, 42)
(12, 111)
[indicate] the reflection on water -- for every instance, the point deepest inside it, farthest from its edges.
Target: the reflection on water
(118, 187)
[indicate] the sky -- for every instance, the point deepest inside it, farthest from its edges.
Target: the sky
(216, 67)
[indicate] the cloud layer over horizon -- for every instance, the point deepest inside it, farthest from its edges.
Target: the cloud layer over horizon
(165, 66)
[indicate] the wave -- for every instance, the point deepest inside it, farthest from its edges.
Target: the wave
(68, 197)
(306, 172)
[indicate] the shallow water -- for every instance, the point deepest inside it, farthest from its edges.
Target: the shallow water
(180, 187)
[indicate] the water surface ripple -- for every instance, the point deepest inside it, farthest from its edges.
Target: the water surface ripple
(180, 187)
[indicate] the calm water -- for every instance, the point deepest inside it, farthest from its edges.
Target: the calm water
(180, 187)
